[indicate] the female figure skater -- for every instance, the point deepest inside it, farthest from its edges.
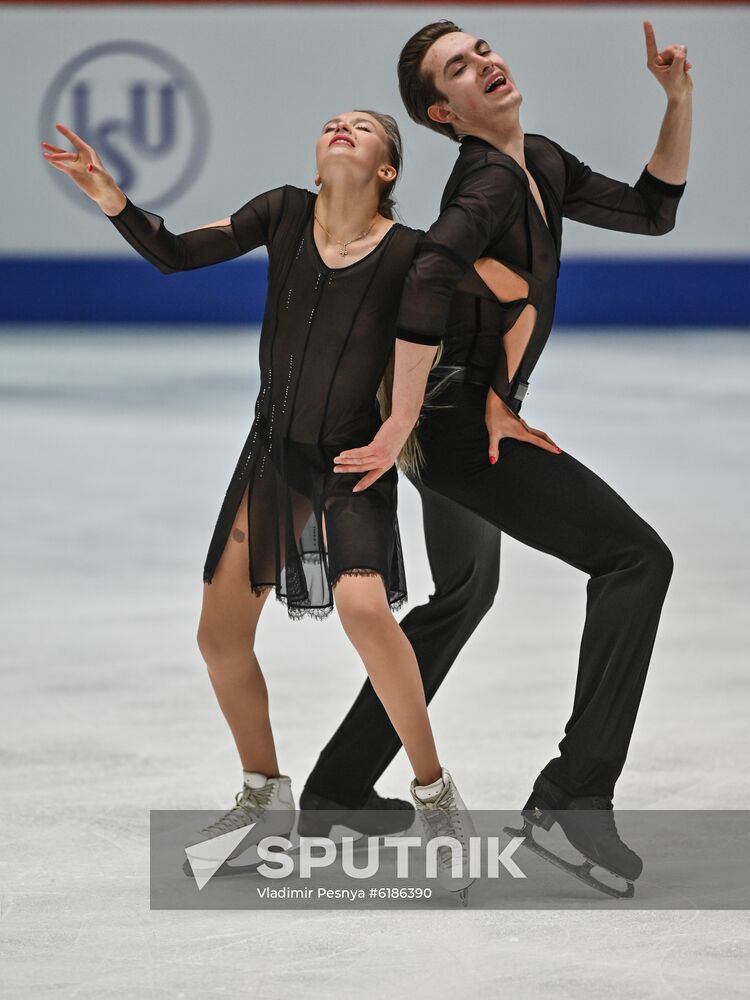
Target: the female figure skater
(337, 263)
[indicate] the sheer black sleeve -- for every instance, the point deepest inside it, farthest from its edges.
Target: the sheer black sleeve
(249, 227)
(484, 205)
(648, 207)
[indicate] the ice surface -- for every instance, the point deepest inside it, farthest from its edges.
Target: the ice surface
(116, 450)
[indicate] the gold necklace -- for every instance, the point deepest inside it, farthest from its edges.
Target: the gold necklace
(343, 251)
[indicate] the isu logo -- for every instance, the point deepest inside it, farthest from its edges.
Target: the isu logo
(143, 113)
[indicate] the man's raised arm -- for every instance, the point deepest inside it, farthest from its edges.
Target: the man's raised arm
(649, 207)
(669, 162)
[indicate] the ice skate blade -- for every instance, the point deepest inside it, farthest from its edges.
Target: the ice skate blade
(251, 867)
(312, 825)
(335, 832)
(460, 891)
(226, 869)
(582, 871)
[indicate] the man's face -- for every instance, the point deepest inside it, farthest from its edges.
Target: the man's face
(475, 80)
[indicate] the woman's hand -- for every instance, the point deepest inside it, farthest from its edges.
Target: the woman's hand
(502, 422)
(670, 66)
(377, 457)
(87, 170)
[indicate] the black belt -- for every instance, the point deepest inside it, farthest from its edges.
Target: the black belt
(462, 373)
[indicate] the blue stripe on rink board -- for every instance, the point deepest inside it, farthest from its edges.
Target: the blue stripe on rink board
(654, 292)
(118, 290)
(593, 292)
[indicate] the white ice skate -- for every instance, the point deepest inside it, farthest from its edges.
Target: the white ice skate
(268, 808)
(444, 814)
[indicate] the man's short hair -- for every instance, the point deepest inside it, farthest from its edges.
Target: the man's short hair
(417, 88)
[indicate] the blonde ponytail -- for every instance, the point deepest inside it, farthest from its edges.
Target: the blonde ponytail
(410, 459)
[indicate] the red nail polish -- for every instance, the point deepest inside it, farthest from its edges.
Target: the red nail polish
(90, 167)
(492, 459)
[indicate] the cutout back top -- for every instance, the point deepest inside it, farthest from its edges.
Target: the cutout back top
(485, 278)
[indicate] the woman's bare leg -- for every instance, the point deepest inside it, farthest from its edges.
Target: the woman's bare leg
(226, 637)
(392, 667)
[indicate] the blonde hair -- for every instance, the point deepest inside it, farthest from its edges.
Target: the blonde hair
(394, 146)
(410, 459)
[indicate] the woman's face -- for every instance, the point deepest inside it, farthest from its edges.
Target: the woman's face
(356, 142)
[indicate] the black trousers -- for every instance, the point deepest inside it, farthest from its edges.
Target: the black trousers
(554, 504)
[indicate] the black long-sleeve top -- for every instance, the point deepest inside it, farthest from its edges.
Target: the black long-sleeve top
(326, 340)
(327, 333)
(488, 214)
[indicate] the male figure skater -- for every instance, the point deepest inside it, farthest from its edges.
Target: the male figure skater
(484, 282)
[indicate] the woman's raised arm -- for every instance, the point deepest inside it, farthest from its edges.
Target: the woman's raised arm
(209, 244)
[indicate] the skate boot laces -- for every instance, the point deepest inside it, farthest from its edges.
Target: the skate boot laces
(442, 818)
(598, 817)
(250, 806)
(604, 829)
(589, 824)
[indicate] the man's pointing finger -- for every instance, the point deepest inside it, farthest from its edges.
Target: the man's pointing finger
(651, 49)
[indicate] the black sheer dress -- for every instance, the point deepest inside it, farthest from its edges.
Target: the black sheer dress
(326, 340)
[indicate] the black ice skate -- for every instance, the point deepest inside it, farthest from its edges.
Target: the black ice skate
(589, 825)
(377, 817)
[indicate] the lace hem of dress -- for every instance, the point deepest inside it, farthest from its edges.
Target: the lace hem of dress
(395, 603)
(298, 611)
(356, 571)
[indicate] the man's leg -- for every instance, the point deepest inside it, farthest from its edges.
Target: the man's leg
(464, 555)
(555, 504)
